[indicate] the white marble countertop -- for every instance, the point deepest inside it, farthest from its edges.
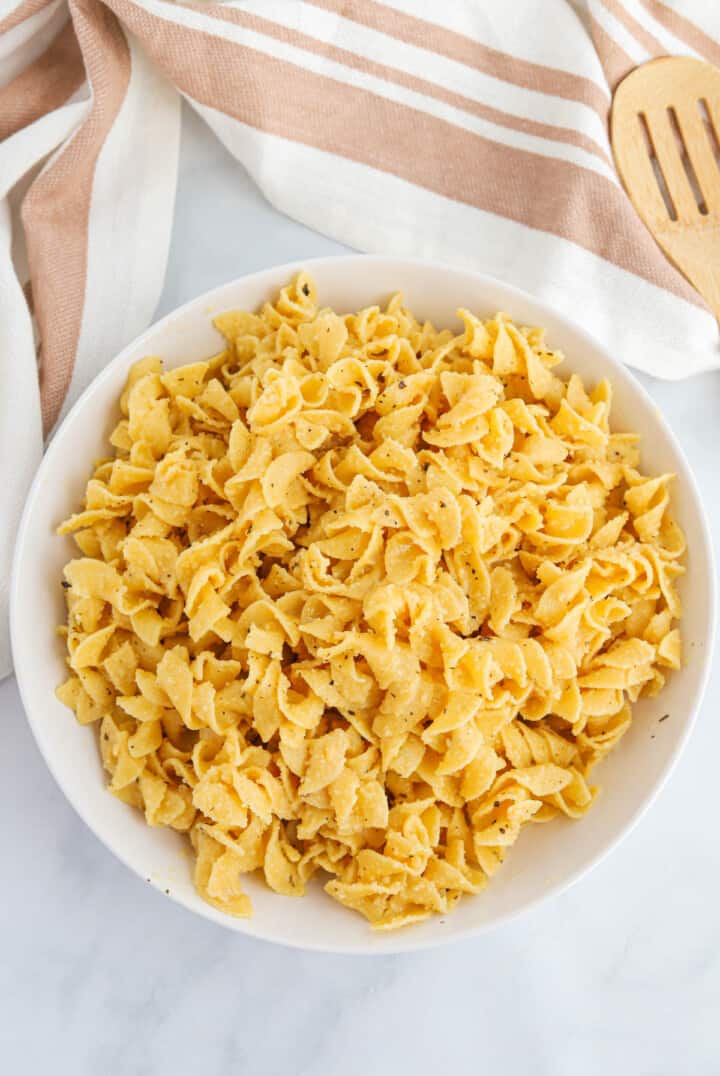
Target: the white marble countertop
(99, 973)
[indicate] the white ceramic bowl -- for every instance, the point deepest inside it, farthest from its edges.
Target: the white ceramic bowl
(546, 859)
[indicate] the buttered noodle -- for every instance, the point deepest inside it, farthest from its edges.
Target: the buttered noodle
(363, 597)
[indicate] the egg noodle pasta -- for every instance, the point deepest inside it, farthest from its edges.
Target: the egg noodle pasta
(362, 598)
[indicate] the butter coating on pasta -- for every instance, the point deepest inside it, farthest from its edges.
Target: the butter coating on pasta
(362, 598)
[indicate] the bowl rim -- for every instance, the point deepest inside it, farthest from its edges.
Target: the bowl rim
(402, 941)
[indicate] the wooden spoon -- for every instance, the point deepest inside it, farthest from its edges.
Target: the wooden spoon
(665, 131)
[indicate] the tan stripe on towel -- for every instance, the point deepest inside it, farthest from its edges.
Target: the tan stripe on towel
(402, 78)
(285, 99)
(56, 209)
(615, 61)
(455, 46)
(23, 11)
(642, 35)
(44, 85)
(684, 29)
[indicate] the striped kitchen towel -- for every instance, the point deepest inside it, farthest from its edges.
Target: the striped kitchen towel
(472, 131)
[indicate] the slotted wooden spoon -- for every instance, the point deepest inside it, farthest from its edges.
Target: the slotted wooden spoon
(665, 131)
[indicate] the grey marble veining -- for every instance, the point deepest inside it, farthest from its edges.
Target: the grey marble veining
(100, 974)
